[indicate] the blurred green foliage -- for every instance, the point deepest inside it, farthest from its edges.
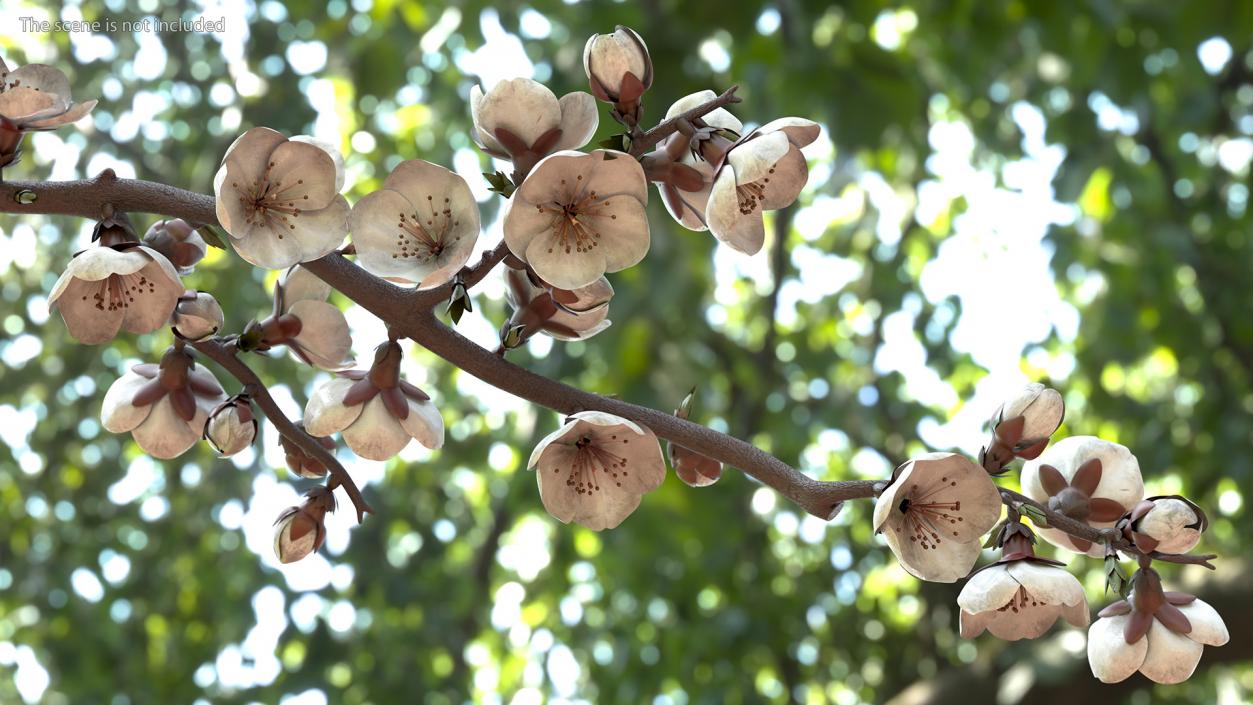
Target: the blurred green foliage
(723, 595)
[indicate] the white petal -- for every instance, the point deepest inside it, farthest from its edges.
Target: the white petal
(299, 284)
(42, 78)
(799, 131)
(1028, 622)
(336, 156)
(96, 263)
(1207, 626)
(1171, 657)
(753, 160)
(1120, 471)
(562, 268)
(522, 106)
(579, 120)
(19, 103)
(87, 321)
(152, 294)
(1168, 522)
(548, 440)
(988, 589)
(1048, 584)
(607, 420)
(164, 434)
(1111, 658)
(117, 414)
(324, 335)
(718, 117)
(376, 434)
(786, 181)
(424, 424)
(604, 506)
(947, 562)
(304, 238)
(743, 232)
(325, 413)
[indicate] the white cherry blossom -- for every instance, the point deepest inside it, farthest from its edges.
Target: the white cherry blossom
(521, 120)
(164, 407)
(105, 289)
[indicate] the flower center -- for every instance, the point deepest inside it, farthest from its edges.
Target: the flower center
(926, 514)
(572, 221)
(118, 291)
(425, 240)
(270, 203)
(752, 195)
(1020, 602)
(594, 464)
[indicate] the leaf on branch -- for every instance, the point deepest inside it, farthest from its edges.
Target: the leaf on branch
(500, 183)
(211, 236)
(1032, 512)
(620, 142)
(459, 303)
(1115, 579)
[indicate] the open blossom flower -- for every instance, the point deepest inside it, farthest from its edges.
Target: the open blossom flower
(278, 199)
(1021, 595)
(301, 530)
(116, 285)
(715, 132)
(314, 331)
(522, 121)
(1160, 634)
(595, 469)
(564, 314)
(1170, 524)
(1088, 480)
(764, 171)
(164, 407)
(1022, 426)
(420, 227)
(34, 97)
(933, 514)
(375, 411)
(232, 426)
(197, 315)
(578, 216)
(178, 241)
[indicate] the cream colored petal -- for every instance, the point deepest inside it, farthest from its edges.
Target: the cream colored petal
(579, 120)
(228, 195)
(888, 502)
(87, 321)
(583, 330)
(325, 412)
(947, 562)
(336, 156)
(324, 335)
(1028, 622)
(299, 284)
(41, 77)
(972, 624)
(564, 267)
(164, 434)
(567, 428)
(424, 424)
(642, 469)
(785, 182)
(612, 174)
(583, 498)
(304, 238)
(1041, 408)
(719, 117)
(524, 224)
(1168, 522)
(18, 103)
(694, 203)
(1171, 657)
(741, 231)
(151, 297)
(753, 160)
(606, 420)
(953, 479)
(799, 131)
(522, 106)
(988, 589)
(1077, 614)
(301, 175)
(73, 114)
(117, 413)
(376, 434)
(1048, 584)
(622, 226)
(1111, 658)
(250, 153)
(1120, 475)
(96, 263)
(1207, 625)
(484, 138)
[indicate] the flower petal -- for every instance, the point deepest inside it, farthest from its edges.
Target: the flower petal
(554, 437)
(117, 413)
(1111, 658)
(152, 295)
(987, 590)
(376, 434)
(88, 321)
(1171, 658)
(18, 103)
(579, 120)
(742, 232)
(337, 157)
(299, 284)
(799, 131)
(718, 117)
(1048, 584)
(325, 412)
(567, 269)
(947, 562)
(1207, 626)
(785, 180)
(324, 335)
(304, 238)
(424, 423)
(522, 106)
(164, 434)
(42, 78)
(753, 160)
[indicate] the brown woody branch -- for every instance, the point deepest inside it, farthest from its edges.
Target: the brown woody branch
(646, 141)
(225, 353)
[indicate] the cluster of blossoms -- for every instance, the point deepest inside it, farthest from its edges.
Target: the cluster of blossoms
(936, 509)
(571, 218)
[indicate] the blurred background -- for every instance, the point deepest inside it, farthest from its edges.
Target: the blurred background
(1003, 192)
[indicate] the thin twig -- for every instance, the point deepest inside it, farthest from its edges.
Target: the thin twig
(646, 141)
(226, 354)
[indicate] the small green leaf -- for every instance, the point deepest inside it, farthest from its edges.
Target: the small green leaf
(1037, 517)
(211, 236)
(459, 303)
(1115, 579)
(616, 142)
(500, 183)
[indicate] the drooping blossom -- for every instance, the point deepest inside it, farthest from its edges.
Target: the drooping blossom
(34, 97)
(1022, 426)
(314, 331)
(578, 216)
(522, 121)
(301, 530)
(376, 412)
(933, 514)
(420, 227)
(684, 164)
(278, 198)
(197, 315)
(116, 285)
(1160, 634)
(595, 469)
(181, 244)
(564, 314)
(164, 407)
(1021, 595)
(694, 469)
(1088, 480)
(232, 426)
(619, 70)
(1167, 524)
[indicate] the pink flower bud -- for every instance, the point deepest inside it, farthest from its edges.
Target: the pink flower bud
(178, 241)
(197, 316)
(231, 426)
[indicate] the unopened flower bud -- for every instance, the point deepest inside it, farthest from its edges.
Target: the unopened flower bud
(301, 530)
(694, 469)
(618, 66)
(178, 241)
(1170, 524)
(1022, 426)
(301, 463)
(231, 426)
(197, 315)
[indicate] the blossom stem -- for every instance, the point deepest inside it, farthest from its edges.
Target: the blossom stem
(642, 144)
(225, 354)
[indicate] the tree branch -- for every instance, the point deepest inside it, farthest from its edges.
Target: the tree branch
(226, 354)
(666, 128)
